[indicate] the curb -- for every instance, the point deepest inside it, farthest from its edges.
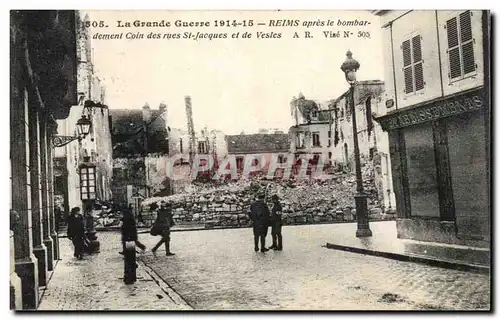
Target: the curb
(164, 286)
(177, 230)
(146, 230)
(456, 265)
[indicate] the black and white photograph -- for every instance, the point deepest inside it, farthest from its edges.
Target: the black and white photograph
(250, 160)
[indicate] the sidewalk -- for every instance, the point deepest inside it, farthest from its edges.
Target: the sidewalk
(384, 243)
(96, 283)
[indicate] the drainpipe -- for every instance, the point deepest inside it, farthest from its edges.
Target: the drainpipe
(388, 180)
(439, 54)
(393, 68)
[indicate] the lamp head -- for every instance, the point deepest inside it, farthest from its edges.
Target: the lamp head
(83, 126)
(349, 67)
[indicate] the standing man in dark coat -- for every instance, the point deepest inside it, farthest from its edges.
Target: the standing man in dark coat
(76, 232)
(259, 214)
(276, 224)
(164, 221)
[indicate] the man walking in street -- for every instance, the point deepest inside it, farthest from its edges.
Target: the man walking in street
(164, 221)
(276, 224)
(76, 232)
(259, 214)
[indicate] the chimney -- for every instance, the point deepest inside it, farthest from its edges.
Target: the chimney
(163, 107)
(146, 113)
(163, 111)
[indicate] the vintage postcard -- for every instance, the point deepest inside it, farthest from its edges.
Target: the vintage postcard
(250, 160)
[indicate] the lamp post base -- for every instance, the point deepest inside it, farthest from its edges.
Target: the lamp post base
(94, 244)
(363, 233)
(362, 216)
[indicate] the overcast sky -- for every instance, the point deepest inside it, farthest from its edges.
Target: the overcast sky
(235, 85)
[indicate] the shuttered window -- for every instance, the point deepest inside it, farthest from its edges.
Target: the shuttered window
(460, 46)
(413, 70)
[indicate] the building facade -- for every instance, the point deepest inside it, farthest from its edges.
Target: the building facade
(97, 145)
(438, 121)
(312, 133)
(208, 144)
(43, 89)
(257, 150)
(373, 141)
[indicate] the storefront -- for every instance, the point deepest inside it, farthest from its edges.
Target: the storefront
(440, 168)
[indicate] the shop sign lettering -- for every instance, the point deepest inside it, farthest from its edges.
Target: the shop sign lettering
(431, 112)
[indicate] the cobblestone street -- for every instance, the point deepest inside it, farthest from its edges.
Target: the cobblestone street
(219, 270)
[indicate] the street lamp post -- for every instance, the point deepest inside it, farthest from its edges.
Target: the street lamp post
(349, 67)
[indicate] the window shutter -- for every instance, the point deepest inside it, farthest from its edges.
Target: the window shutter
(417, 49)
(408, 80)
(465, 27)
(407, 68)
(452, 30)
(419, 76)
(453, 48)
(406, 53)
(468, 57)
(417, 63)
(468, 61)
(454, 55)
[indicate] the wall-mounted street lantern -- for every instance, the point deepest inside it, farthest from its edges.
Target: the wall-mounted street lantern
(83, 125)
(349, 67)
(88, 195)
(83, 128)
(87, 180)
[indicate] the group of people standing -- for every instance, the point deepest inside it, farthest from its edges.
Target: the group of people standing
(263, 218)
(259, 213)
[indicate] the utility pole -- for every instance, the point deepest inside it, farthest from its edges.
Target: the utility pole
(214, 151)
(192, 137)
(146, 121)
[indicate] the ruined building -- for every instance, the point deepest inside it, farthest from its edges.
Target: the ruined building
(140, 145)
(373, 141)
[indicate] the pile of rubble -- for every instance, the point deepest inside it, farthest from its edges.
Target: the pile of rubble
(106, 218)
(304, 201)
